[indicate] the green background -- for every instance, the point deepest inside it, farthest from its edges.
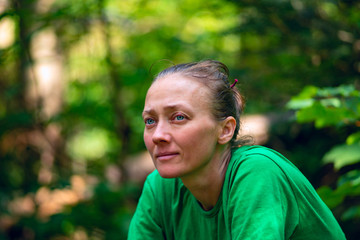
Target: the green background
(74, 74)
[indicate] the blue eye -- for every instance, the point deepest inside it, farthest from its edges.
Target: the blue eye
(179, 117)
(149, 121)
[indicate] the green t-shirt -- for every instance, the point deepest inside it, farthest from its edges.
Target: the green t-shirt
(264, 196)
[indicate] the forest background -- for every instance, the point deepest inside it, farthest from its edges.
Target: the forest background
(74, 74)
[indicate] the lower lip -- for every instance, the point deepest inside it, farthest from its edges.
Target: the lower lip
(166, 157)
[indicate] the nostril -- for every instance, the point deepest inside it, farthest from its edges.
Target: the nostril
(161, 137)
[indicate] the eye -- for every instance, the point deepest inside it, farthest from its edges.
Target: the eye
(179, 117)
(149, 121)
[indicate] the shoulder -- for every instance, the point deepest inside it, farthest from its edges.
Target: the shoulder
(258, 171)
(256, 164)
(246, 151)
(259, 157)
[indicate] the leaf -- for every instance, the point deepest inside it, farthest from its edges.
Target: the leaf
(330, 197)
(327, 106)
(321, 115)
(348, 188)
(353, 138)
(343, 155)
(353, 104)
(342, 90)
(331, 102)
(351, 176)
(307, 92)
(300, 103)
(351, 213)
(349, 185)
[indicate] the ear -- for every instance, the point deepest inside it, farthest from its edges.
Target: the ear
(227, 130)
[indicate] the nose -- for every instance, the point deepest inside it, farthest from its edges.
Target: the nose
(161, 134)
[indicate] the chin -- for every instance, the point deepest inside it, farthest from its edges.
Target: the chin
(168, 173)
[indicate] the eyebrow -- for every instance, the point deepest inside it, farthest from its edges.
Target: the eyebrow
(168, 107)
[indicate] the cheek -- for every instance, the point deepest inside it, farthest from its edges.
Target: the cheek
(148, 141)
(201, 139)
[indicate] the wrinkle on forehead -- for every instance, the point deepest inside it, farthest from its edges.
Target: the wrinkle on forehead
(176, 87)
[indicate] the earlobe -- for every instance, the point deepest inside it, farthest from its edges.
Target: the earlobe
(227, 130)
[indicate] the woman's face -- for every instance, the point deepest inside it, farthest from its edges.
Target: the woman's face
(180, 133)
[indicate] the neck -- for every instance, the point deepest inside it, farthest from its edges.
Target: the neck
(206, 185)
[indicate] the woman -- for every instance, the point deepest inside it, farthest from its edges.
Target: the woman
(209, 185)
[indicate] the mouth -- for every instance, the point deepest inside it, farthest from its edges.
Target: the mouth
(166, 156)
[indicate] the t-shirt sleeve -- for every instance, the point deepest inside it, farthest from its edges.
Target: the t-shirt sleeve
(145, 223)
(261, 202)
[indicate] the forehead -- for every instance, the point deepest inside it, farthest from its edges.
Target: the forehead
(175, 88)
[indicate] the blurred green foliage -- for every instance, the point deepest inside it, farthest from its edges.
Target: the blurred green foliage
(74, 74)
(336, 106)
(339, 107)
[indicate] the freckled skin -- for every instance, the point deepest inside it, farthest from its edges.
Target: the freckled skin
(180, 133)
